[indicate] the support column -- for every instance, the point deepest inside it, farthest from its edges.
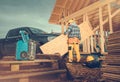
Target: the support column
(62, 28)
(110, 18)
(91, 42)
(88, 45)
(84, 46)
(94, 43)
(101, 30)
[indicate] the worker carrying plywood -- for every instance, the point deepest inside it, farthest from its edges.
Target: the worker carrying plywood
(74, 37)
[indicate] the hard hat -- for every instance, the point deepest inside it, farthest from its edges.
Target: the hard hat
(89, 58)
(71, 21)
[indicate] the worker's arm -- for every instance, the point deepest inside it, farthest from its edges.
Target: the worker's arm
(68, 30)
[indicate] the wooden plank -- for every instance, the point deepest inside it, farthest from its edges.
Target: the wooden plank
(109, 80)
(57, 45)
(110, 18)
(111, 76)
(88, 45)
(116, 12)
(15, 67)
(113, 51)
(85, 32)
(24, 79)
(111, 69)
(19, 62)
(113, 46)
(23, 75)
(114, 41)
(101, 30)
(113, 61)
(91, 42)
(74, 5)
(62, 27)
(112, 56)
(28, 70)
(114, 35)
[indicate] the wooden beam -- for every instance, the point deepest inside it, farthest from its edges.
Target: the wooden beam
(62, 28)
(91, 42)
(101, 30)
(88, 45)
(87, 19)
(75, 4)
(115, 13)
(71, 1)
(115, 77)
(110, 18)
(111, 69)
(88, 9)
(80, 5)
(86, 3)
(20, 62)
(29, 74)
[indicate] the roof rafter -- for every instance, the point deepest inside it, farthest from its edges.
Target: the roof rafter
(88, 9)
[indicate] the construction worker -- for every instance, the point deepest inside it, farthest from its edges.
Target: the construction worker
(74, 38)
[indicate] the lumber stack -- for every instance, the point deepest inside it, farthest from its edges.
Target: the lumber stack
(38, 70)
(111, 71)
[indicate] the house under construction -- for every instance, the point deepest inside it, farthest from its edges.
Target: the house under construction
(102, 18)
(99, 22)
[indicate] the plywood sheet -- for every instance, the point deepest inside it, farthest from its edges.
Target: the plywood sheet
(57, 45)
(85, 31)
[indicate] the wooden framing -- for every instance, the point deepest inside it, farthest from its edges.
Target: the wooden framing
(88, 9)
(91, 44)
(110, 18)
(101, 30)
(62, 28)
(98, 13)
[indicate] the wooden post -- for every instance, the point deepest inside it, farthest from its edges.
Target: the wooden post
(84, 46)
(88, 45)
(101, 30)
(94, 42)
(110, 18)
(91, 42)
(66, 25)
(62, 28)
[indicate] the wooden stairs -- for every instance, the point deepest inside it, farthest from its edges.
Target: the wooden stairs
(43, 69)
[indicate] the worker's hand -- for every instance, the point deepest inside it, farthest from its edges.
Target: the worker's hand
(64, 33)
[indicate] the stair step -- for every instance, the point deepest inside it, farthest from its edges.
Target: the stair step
(29, 74)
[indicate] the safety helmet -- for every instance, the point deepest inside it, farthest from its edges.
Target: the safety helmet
(89, 58)
(71, 21)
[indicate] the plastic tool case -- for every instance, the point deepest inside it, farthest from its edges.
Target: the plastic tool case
(26, 48)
